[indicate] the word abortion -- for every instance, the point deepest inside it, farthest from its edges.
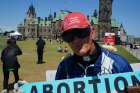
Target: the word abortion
(103, 84)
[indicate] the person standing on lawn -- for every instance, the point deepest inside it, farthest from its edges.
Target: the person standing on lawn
(10, 61)
(40, 47)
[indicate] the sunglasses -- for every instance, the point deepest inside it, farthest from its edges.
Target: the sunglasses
(80, 33)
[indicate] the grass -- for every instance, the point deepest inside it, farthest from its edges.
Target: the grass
(2, 42)
(122, 51)
(2, 45)
(32, 72)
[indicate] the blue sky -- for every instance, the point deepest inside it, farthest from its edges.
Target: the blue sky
(12, 12)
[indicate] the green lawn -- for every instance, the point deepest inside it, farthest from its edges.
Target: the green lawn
(2, 42)
(2, 45)
(122, 51)
(32, 72)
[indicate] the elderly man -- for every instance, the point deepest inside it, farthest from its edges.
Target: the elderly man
(88, 59)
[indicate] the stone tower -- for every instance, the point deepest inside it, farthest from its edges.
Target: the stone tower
(31, 12)
(105, 12)
(30, 28)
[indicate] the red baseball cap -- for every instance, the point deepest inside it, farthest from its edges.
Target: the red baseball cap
(74, 20)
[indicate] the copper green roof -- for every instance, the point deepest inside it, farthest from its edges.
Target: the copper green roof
(21, 24)
(94, 19)
(36, 21)
(48, 23)
(56, 18)
(61, 14)
(42, 22)
(114, 23)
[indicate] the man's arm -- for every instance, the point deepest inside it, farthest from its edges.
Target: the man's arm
(2, 56)
(121, 64)
(18, 52)
(44, 42)
(61, 72)
(36, 42)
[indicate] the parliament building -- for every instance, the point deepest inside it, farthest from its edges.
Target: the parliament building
(33, 26)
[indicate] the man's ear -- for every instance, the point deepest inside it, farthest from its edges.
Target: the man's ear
(93, 33)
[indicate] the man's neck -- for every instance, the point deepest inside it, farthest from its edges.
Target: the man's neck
(93, 48)
(94, 52)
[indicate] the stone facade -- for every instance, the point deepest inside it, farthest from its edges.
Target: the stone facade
(105, 12)
(49, 27)
(33, 26)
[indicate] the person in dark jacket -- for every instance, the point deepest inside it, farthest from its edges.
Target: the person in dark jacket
(40, 47)
(88, 59)
(10, 61)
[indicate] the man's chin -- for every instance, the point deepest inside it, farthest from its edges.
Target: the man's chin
(81, 53)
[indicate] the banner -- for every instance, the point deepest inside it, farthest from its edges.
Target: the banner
(113, 83)
(109, 39)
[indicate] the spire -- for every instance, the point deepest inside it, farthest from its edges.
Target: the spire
(31, 12)
(50, 17)
(95, 14)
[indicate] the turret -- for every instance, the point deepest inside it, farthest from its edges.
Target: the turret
(31, 12)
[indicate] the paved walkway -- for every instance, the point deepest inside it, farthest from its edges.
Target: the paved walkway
(135, 52)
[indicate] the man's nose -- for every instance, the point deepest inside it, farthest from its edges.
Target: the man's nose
(76, 40)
